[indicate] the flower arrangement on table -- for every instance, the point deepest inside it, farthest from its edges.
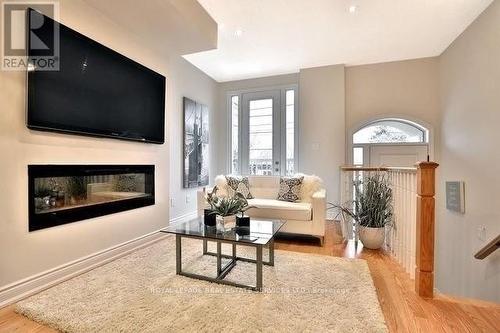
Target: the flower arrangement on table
(226, 208)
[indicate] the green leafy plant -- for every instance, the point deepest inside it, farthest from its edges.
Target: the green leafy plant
(225, 206)
(372, 204)
(76, 187)
(211, 197)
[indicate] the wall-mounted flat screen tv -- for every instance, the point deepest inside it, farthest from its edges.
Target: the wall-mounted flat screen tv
(96, 91)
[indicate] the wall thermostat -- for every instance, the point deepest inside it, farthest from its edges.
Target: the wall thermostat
(455, 196)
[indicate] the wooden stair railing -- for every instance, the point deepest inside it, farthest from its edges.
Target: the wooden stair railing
(425, 221)
(488, 248)
(426, 190)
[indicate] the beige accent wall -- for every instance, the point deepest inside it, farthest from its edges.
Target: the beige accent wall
(470, 104)
(23, 254)
(405, 89)
(322, 125)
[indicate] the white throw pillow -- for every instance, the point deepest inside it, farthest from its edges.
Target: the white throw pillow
(221, 183)
(310, 185)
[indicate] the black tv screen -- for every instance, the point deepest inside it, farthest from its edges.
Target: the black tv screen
(96, 91)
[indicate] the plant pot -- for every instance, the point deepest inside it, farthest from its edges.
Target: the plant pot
(372, 238)
(242, 231)
(226, 222)
(242, 221)
(209, 219)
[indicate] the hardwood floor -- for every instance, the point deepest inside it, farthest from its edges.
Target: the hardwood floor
(404, 311)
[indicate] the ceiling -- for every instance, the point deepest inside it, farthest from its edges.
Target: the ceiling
(268, 37)
(168, 26)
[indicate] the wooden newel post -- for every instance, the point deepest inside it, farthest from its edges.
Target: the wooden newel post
(424, 271)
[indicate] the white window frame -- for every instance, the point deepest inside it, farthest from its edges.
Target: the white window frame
(282, 108)
(426, 127)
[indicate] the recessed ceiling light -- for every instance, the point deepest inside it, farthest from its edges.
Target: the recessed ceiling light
(238, 32)
(353, 9)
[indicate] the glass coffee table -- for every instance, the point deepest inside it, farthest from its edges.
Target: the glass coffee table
(259, 234)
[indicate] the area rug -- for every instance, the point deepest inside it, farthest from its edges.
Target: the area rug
(141, 293)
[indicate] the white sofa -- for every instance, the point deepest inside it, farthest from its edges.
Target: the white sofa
(306, 217)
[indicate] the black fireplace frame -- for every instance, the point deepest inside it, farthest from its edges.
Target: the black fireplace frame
(52, 219)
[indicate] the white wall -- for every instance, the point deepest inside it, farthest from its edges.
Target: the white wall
(470, 102)
(23, 254)
(192, 83)
(322, 125)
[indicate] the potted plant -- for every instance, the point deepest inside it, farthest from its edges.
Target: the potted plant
(77, 189)
(371, 209)
(42, 196)
(226, 208)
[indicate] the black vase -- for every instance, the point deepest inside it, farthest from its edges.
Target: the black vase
(242, 221)
(242, 231)
(209, 218)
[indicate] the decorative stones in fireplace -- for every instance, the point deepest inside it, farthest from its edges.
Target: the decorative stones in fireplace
(60, 194)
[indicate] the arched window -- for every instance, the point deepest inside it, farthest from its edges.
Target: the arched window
(389, 141)
(391, 131)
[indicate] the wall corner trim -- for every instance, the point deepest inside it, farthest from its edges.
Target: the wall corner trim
(34, 284)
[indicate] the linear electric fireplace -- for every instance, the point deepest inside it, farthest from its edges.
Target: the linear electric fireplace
(60, 194)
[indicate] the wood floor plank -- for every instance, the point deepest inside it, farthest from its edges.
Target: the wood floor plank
(403, 310)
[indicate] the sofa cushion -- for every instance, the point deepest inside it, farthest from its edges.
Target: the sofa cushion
(275, 209)
(264, 187)
(236, 184)
(290, 188)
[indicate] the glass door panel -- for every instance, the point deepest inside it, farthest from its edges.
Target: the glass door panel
(261, 136)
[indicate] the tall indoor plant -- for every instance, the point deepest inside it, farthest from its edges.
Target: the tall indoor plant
(371, 209)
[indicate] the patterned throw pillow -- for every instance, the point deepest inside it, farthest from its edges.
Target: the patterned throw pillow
(290, 188)
(238, 185)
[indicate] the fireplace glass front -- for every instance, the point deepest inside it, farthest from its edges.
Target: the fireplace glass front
(61, 194)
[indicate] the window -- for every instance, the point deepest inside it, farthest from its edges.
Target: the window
(391, 142)
(390, 131)
(261, 137)
(290, 132)
(235, 135)
(357, 156)
(263, 132)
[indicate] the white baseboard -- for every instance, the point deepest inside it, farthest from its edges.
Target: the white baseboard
(18, 290)
(184, 217)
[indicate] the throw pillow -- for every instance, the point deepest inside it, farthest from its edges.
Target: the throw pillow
(290, 188)
(127, 182)
(238, 185)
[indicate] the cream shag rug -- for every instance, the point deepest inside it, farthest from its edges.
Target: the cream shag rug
(141, 293)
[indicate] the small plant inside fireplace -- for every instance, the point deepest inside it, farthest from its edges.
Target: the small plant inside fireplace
(63, 194)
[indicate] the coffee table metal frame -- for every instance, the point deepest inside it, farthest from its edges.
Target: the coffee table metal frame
(223, 270)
